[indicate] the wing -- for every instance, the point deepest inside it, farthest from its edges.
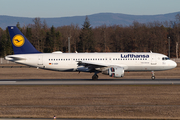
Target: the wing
(95, 66)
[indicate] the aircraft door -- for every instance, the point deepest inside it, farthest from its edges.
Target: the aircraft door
(153, 60)
(40, 60)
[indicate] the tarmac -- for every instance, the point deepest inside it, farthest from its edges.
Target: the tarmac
(89, 82)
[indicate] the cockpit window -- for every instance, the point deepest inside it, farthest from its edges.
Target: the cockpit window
(165, 58)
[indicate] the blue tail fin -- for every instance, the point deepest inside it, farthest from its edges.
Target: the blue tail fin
(20, 43)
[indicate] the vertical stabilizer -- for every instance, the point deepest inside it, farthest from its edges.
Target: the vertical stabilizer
(20, 43)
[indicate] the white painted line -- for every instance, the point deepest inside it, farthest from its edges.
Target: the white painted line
(7, 82)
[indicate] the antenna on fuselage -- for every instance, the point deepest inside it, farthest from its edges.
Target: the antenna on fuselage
(150, 51)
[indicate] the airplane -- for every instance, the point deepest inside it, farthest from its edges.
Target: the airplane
(112, 64)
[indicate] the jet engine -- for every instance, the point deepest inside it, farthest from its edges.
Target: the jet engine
(114, 72)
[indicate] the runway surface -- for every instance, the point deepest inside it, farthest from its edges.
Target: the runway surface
(89, 82)
(58, 119)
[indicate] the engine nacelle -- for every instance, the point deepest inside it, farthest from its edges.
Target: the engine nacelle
(114, 72)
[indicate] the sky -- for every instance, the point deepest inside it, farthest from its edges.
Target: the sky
(68, 8)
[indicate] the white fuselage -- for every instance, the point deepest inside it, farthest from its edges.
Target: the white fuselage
(139, 61)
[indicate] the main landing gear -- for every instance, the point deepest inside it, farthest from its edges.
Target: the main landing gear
(95, 76)
(153, 76)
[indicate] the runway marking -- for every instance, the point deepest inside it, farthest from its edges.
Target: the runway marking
(7, 82)
(88, 82)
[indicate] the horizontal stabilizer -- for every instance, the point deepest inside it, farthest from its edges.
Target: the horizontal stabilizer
(13, 58)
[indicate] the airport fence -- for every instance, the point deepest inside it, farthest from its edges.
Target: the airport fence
(3, 61)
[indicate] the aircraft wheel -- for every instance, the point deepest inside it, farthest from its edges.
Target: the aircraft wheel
(153, 77)
(95, 77)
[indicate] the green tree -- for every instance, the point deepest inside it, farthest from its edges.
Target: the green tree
(9, 49)
(3, 45)
(18, 25)
(86, 42)
(59, 41)
(50, 40)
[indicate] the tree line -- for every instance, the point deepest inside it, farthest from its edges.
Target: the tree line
(138, 37)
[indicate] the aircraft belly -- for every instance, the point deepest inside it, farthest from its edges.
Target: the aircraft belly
(138, 68)
(28, 62)
(145, 68)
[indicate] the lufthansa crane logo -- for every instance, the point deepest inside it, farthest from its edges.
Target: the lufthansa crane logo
(18, 40)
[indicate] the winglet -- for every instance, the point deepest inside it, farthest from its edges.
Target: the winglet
(20, 43)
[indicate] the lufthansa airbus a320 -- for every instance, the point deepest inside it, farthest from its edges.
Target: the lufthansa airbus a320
(112, 64)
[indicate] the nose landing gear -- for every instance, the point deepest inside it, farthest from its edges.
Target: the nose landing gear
(153, 76)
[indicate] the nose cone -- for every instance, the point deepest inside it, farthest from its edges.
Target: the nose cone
(173, 64)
